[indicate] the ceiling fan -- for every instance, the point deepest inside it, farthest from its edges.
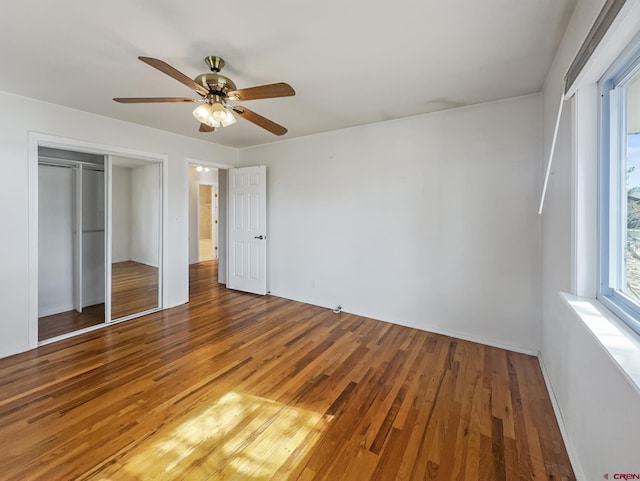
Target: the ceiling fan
(215, 92)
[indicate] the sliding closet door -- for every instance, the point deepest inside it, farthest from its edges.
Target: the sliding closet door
(71, 242)
(135, 237)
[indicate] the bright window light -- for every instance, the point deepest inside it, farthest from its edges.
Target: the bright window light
(239, 436)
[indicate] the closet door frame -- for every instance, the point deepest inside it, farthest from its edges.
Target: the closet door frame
(77, 278)
(36, 140)
(108, 237)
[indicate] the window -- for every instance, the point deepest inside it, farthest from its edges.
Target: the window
(620, 189)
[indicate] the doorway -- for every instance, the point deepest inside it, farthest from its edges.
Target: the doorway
(204, 214)
(207, 222)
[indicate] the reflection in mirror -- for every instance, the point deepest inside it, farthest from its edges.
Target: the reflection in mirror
(136, 233)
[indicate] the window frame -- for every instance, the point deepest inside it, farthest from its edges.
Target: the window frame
(612, 89)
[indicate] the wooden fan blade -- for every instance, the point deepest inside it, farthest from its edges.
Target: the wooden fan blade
(139, 100)
(259, 120)
(206, 128)
(173, 73)
(262, 92)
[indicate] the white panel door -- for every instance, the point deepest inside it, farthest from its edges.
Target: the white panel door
(247, 230)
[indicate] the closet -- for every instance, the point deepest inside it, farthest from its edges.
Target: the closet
(99, 240)
(71, 241)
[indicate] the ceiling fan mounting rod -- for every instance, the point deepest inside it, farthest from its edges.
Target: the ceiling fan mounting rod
(214, 63)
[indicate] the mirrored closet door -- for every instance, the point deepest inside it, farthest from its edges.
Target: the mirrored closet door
(136, 228)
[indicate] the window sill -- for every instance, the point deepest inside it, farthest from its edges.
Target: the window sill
(621, 343)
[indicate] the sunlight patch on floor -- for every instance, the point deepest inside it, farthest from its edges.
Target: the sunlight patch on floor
(239, 437)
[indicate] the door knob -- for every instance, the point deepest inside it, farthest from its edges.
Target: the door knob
(260, 237)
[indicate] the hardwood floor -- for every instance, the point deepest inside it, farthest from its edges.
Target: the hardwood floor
(234, 386)
(134, 288)
(70, 321)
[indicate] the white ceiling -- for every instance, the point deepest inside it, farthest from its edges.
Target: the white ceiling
(351, 62)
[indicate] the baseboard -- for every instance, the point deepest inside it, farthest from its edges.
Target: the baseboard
(479, 340)
(573, 457)
(435, 330)
(4, 353)
(58, 309)
(50, 311)
(93, 302)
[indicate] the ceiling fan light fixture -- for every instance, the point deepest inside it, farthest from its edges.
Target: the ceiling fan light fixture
(219, 115)
(213, 114)
(226, 118)
(220, 112)
(203, 113)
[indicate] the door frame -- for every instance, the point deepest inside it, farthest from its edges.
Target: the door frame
(222, 228)
(35, 140)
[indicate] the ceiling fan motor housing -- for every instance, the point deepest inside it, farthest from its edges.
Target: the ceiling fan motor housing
(216, 83)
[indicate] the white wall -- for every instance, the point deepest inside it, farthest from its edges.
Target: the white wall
(145, 214)
(136, 213)
(121, 214)
(597, 402)
(18, 117)
(427, 221)
(55, 242)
